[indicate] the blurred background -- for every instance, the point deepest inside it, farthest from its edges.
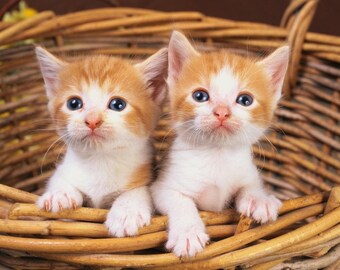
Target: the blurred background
(326, 20)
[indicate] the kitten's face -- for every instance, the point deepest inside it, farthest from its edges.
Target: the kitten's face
(103, 102)
(219, 98)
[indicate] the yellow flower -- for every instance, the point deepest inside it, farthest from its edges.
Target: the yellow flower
(23, 13)
(28, 12)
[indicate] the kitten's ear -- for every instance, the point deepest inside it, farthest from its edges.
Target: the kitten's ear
(155, 71)
(276, 65)
(180, 49)
(50, 67)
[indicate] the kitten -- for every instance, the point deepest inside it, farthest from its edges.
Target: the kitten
(220, 104)
(105, 110)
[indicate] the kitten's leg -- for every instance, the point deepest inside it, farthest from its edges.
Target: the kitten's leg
(59, 195)
(129, 212)
(253, 201)
(187, 234)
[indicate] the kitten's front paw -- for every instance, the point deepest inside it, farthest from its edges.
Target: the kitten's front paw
(125, 221)
(58, 200)
(187, 242)
(262, 208)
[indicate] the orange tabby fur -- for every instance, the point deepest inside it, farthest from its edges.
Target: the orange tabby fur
(109, 73)
(198, 70)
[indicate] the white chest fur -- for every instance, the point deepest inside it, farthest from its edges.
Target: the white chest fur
(101, 173)
(209, 174)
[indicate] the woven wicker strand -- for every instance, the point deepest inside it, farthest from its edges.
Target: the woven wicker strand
(299, 158)
(152, 239)
(230, 259)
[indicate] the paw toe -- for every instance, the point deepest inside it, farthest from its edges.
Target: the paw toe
(261, 208)
(187, 243)
(126, 222)
(57, 201)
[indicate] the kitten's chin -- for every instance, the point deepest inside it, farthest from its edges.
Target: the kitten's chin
(88, 141)
(91, 143)
(221, 136)
(224, 129)
(101, 142)
(94, 138)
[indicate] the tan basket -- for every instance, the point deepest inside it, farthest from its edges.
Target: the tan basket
(299, 162)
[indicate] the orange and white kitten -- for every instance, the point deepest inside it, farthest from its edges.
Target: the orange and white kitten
(105, 110)
(220, 104)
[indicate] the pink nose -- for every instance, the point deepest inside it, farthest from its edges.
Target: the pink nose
(221, 113)
(93, 123)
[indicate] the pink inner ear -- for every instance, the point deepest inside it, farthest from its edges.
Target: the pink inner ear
(179, 50)
(175, 64)
(51, 82)
(155, 70)
(276, 65)
(157, 87)
(278, 72)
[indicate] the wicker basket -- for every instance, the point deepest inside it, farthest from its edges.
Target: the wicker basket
(299, 161)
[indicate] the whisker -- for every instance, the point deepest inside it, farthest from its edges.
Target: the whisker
(49, 148)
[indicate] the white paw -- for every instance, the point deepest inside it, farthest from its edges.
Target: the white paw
(187, 242)
(262, 208)
(125, 221)
(58, 200)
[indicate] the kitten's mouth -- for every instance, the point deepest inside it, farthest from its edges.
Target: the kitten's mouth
(93, 136)
(227, 128)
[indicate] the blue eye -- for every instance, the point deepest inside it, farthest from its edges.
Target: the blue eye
(117, 104)
(74, 104)
(200, 96)
(245, 100)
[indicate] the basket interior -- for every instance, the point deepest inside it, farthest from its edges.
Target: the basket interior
(296, 157)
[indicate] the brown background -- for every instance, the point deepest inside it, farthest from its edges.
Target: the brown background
(268, 11)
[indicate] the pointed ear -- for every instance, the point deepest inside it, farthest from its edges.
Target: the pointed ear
(276, 65)
(180, 50)
(50, 67)
(155, 71)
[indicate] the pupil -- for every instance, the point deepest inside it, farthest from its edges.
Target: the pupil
(75, 103)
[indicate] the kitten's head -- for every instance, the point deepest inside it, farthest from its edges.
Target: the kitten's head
(220, 98)
(101, 101)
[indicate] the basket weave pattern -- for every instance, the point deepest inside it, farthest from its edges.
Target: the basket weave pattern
(299, 159)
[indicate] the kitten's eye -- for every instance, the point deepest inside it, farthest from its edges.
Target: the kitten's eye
(74, 104)
(245, 100)
(117, 104)
(200, 96)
